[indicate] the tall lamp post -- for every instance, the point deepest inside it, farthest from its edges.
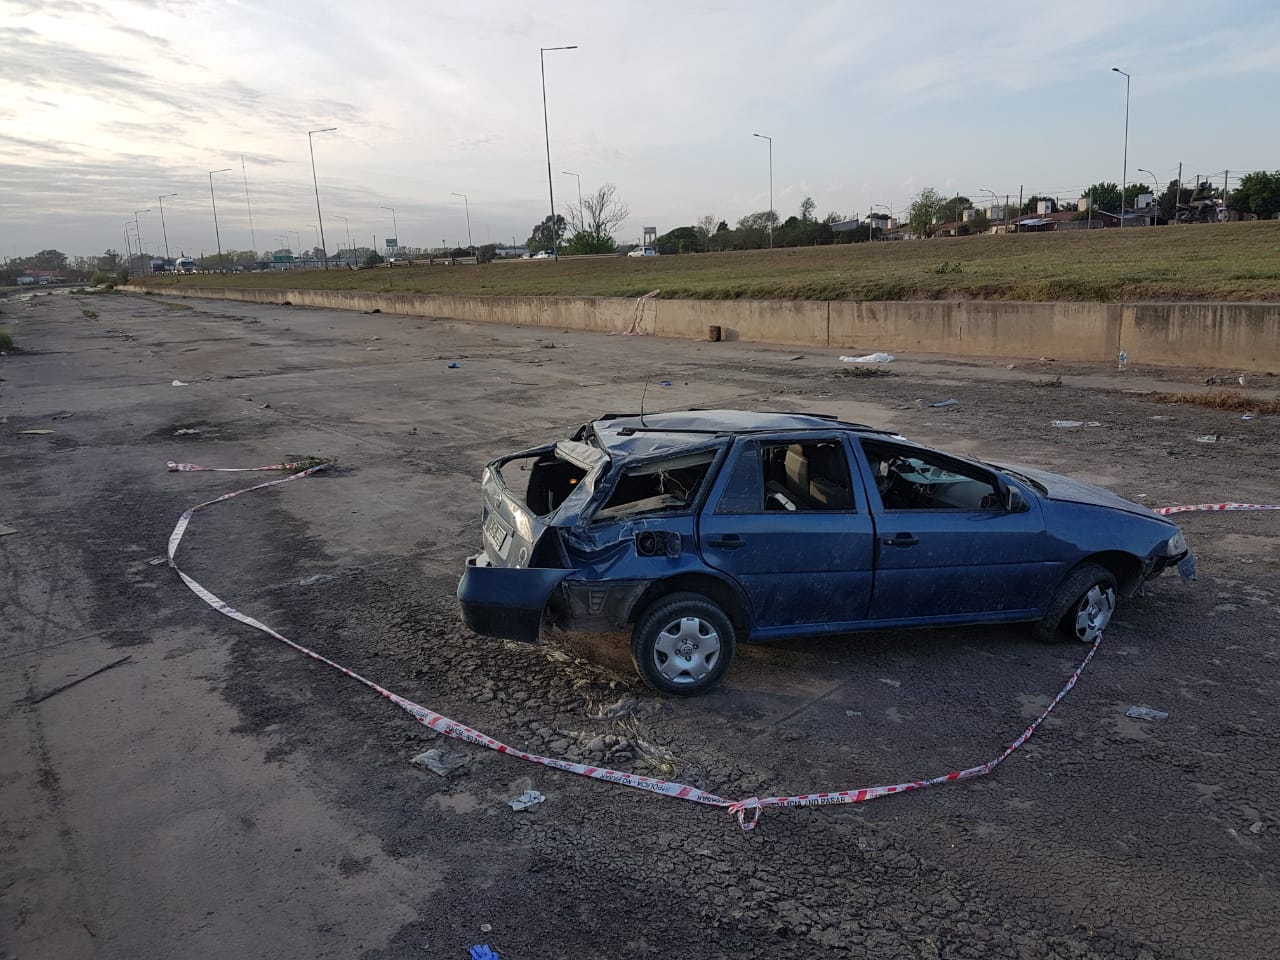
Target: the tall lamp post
(347, 223)
(128, 248)
(887, 209)
(163, 229)
(1125, 172)
(467, 206)
(395, 228)
(316, 184)
(579, 179)
(770, 139)
(546, 132)
(1154, 185)
(214, 201)
(994, 199)
(138, 229)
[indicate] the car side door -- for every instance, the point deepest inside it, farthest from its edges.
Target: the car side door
(788, 519)
(948, 547)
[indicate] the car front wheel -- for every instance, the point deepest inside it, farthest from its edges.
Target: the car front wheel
(683, 644)
(1081, 607)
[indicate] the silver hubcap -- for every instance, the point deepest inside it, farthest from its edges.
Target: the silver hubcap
(686, 650)
(1093, 612)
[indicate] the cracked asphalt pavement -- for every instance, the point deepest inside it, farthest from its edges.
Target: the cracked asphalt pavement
(219, 795)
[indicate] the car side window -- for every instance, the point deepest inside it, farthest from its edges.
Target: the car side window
(911, 479)
(790, 477)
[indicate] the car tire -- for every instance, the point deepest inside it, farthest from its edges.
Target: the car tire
(1081, 607)
(683, 644)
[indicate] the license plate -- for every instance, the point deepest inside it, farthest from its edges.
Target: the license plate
(496, 533)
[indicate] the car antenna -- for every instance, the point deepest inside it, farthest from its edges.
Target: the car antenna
(648, 375)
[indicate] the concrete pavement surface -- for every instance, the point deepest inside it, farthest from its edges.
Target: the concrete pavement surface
(218, 795)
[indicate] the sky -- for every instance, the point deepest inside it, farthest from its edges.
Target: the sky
(105, 107)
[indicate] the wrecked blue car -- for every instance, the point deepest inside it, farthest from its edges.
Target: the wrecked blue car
(700, 529)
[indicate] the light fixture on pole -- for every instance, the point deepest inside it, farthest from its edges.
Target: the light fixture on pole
(316, 184)
(771, 214)
(299, 236)
(347, 223)
(164, 230)
(213, 200)
(395, 229)
(1125, 172)
(546, 132)
(128, 247)
(138, 229)
(887, 208)
(995, 200)
(579, 179)
(467, 206)
(1154, 182)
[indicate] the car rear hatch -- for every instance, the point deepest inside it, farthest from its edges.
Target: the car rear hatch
(505, 587)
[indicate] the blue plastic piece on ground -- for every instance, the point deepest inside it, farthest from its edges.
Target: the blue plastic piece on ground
(453, 366)
(482, 951)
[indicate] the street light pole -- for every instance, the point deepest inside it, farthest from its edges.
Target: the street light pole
(771, 213)
(214, 201)
(347, 224)
(467, 206)
(994, 199)
(137, 228)
(253, 236)
(1125, 172)
(163, 229)
(395, 228)
(1154, 184)
(128, 248)
(546, 132)
(316, 184)
(579, 179)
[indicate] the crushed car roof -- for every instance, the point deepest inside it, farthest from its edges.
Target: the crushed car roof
(624, 435)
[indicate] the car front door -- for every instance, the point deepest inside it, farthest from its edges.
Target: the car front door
(789, 521)
(947, 546)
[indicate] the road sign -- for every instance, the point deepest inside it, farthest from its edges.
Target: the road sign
(392, 242)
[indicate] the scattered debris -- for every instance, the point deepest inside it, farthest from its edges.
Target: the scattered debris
(486, 928)
(1213, 381)
(612, 711)
(482, 951)
(797, 357)
(1055, 382)
(863, 372)
(869, 358)
(63, 416)
(315, 578)
(1123, 361)
(1068, 423)
(890, 683)
(1209, 438)
(666, 383)
(1248, 416)
(67, 686)
(6, 530)
(1048, 360)
(1146, 713)
(526, 801)
(946, 403)
(441, 762)
(180, 383)
(453, 366)
(1231, 400)
(186, 432)
(853, 713)
(156, 561)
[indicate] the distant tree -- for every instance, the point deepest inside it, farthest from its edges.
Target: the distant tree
(543, 237)
(924, 211)
(373, 259)
(980, 223)
(679, 240)
(1132, 192)
(585, 242)
(807, 207)
(761, 220)
(834, 217)
(706, 227)
(952, 208)
(1169, 200)
(48, 260)
(1106, 196)
(1258, 193)
(109, 261)
(599, 214)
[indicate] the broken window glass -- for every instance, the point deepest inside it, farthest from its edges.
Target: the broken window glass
(665, 486)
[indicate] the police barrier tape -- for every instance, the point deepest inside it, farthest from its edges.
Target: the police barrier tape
(459, 731)
(1214, 507)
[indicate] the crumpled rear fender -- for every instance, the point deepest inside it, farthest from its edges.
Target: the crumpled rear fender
(506, 602)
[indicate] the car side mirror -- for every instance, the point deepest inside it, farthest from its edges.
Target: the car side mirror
(1013, 502)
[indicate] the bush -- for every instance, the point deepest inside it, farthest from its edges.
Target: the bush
(122, 275)
(6, 340)
(99, 278)
(372, 260)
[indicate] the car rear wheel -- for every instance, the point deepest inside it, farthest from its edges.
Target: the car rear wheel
(683, 644)
(1081, 607)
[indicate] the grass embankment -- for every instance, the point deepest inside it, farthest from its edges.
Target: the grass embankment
(1238, 261)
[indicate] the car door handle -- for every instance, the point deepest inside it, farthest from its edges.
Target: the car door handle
(730, 541)
(902, 540)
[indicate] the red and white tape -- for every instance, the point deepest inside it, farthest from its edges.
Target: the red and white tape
(740, 808)
(1214, 507)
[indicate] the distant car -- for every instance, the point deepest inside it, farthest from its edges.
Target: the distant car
(543, 255)
(697, 529)
(643, 252)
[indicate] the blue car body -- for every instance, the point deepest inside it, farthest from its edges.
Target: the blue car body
(793, 524)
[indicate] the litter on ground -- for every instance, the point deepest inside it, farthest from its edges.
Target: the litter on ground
(526, 801)
(1145, 713)
(441, 762)
(869, 358)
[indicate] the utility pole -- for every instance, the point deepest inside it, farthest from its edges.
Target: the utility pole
(1224, 190)
(1177, 197)
(253, 238)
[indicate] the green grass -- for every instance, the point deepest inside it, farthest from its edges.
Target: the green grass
(6, 340)
(1239, 261)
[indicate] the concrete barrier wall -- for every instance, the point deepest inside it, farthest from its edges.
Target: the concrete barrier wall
(1244, 336)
